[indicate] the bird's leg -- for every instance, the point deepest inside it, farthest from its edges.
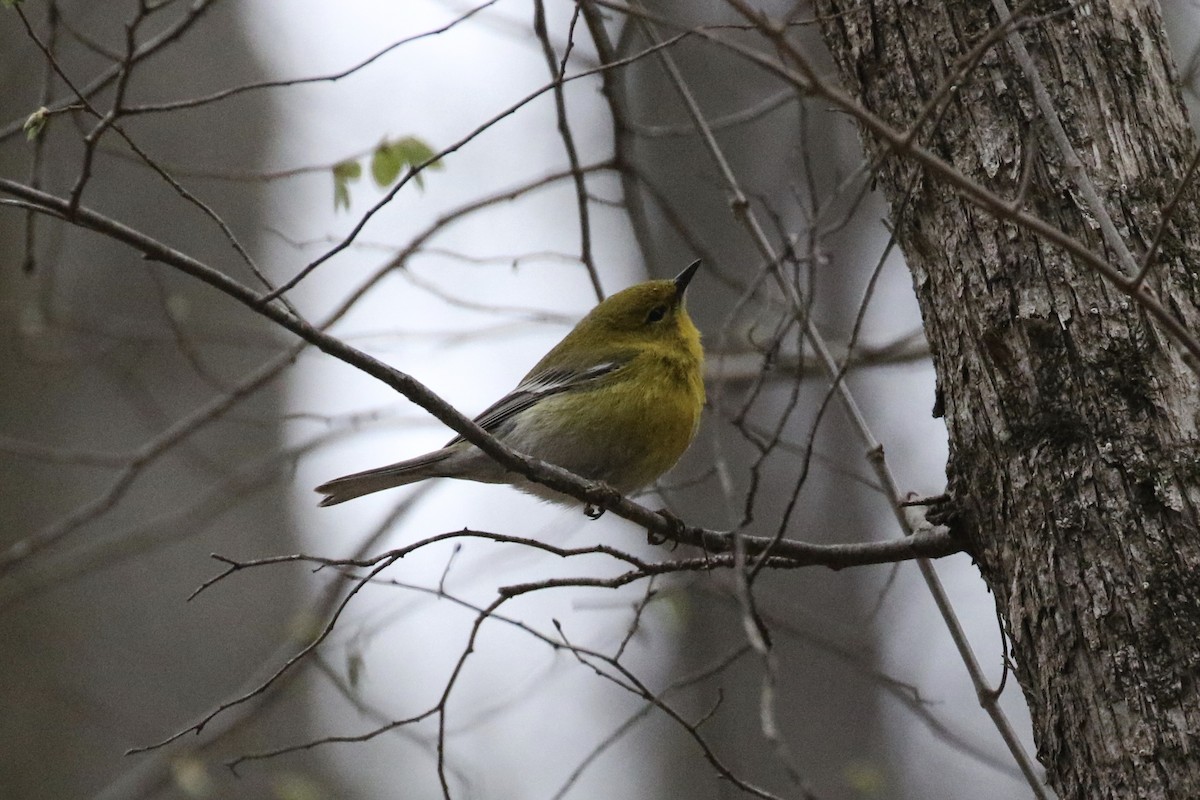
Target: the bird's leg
(677, 529)
(599, 494)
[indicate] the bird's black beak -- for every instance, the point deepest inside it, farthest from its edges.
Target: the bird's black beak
(684, 278)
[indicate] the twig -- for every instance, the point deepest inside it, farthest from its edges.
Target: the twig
(541, 472)
(1076, 170)
(417, 169)
(806, 79)
(742, 211)
(557, 73)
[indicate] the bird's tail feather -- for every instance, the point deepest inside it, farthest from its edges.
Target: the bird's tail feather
(348, 487)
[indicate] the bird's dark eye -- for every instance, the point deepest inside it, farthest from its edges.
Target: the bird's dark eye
(656, 314)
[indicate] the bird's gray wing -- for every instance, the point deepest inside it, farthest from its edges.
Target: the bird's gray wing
(536, 388)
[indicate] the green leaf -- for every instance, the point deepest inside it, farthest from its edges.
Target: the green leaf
(10, 3)
(344, 174)
(391, 157)
(386, 163)
(36, 121)
(416, 151)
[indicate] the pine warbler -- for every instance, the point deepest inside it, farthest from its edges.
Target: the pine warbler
(617, 400)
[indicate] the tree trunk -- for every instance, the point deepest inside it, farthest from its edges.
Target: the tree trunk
(1072, 420)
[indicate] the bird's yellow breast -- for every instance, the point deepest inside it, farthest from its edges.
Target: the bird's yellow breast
(627, 430)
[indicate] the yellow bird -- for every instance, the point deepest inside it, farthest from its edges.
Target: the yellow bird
(618, 400)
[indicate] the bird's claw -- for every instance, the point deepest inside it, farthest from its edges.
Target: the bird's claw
(677, 529)
(599, 495)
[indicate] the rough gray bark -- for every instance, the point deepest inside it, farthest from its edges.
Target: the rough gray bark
(1072, 421)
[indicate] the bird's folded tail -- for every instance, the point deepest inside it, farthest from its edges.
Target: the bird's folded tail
(348, 487)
